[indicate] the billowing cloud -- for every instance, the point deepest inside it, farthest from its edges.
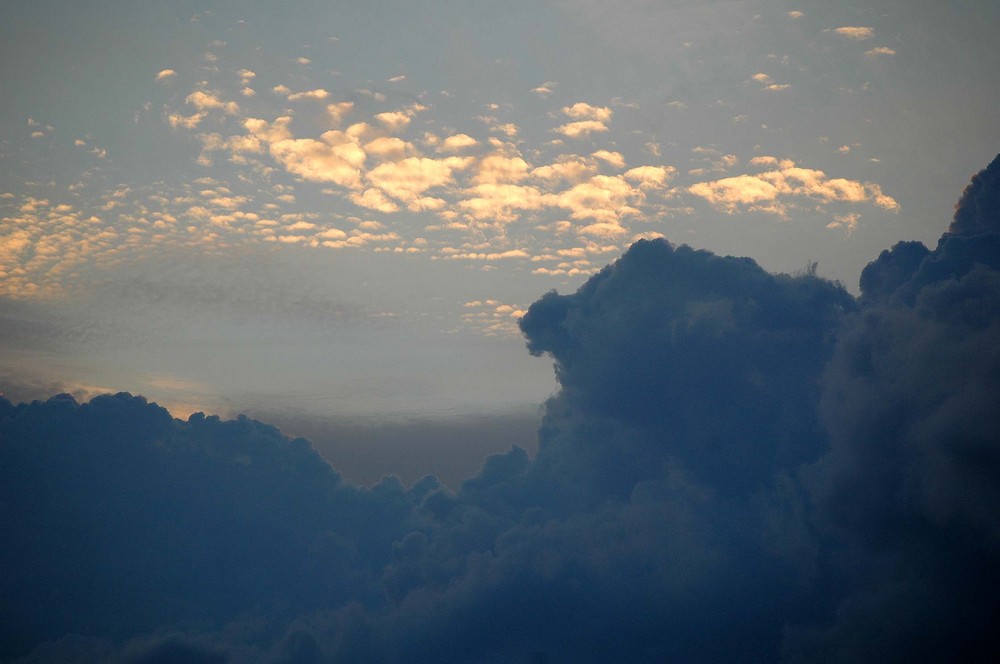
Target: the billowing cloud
(737, 466)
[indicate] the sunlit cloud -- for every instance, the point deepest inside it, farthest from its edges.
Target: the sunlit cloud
(855, 32)
(770, 191)
(457, 143)
(318, 94)
(165, 75)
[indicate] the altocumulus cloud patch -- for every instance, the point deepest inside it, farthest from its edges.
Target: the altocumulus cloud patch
(739, 466)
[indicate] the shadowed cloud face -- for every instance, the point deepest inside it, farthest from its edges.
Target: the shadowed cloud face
(739, 466)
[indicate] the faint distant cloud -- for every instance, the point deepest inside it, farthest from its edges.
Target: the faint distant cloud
(396, 79)
(545, 89)
(165, 75)
(795, 14)
(880, 50)
(855, 32)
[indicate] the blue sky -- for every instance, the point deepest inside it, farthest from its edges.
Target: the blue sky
(344, 209)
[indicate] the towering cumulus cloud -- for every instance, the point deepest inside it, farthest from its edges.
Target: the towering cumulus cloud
(739, 466)
(910, 487)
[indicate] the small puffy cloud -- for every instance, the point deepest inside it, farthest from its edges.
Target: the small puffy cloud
(613, 158)
(179, 121)
(846, 222)
(795, 14)
(246, 76)
(879, 50)
(650, 176)
(855, 32)
(281, 90)
(165, 75)
(303, 60)
(602, 229)
(584, 111)
(457, 142)
(393, 120)
(205, 101)
(581, 129)
(318, 94)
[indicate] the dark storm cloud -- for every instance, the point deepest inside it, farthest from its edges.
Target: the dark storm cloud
(738, 466)
(119, 519)
(911, 483)
(978, 211)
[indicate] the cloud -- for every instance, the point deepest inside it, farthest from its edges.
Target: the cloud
(910, 404)
(389, 147)
(581, 129)
(584, 111)
(165, 75)
(318, 94)
(769, 190)
(409, 178)
(457, 142)
(206, 101)
(117, 458)
(337, 158)
(857, 33)
(338, 110)
(612, 158)
(394, 120)
(879, 50)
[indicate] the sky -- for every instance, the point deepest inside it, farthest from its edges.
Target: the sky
(346, 207)
(548, 331)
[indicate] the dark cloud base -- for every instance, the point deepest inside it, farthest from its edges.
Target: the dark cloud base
(739, 466)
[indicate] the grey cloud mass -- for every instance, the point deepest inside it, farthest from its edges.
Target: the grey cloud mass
(738, 466)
